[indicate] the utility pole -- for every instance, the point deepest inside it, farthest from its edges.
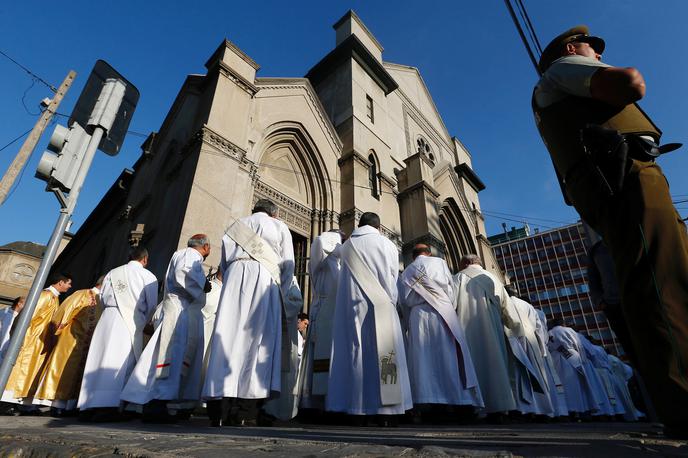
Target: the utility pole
(30, 143)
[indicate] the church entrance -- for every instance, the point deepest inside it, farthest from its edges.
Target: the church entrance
(301, 257)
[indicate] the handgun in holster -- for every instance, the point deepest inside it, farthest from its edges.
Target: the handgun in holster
(608, 152)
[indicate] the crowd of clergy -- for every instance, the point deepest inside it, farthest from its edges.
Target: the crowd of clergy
(377, 343)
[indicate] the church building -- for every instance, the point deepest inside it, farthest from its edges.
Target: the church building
(355, 134)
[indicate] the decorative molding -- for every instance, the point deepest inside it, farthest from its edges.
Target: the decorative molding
(466, 172)
(307, 87)
(355, 155)
(227, 71)
(389, 181)
(355, 213)
(295, 215)
(421, 186)
(410, 110)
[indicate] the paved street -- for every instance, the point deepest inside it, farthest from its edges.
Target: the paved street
(44, 436)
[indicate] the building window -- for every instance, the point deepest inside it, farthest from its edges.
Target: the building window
(372, 177)
(370, 110)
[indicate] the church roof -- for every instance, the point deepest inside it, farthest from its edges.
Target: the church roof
(28, 248)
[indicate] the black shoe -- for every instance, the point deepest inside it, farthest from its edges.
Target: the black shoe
(156, 411)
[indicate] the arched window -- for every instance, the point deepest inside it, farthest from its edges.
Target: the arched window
(372, 177)
(423, 147)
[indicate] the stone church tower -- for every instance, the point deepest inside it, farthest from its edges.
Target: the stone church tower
(356, 134)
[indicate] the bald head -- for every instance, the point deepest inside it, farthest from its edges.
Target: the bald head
(421, 249)
(468, 260)
(201, 243)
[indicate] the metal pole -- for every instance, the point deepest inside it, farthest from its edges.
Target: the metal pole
(102, 119)
(27, 148)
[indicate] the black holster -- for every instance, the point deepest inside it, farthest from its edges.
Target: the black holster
(608, 151)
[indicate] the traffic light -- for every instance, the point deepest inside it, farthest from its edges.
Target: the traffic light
(59, 166)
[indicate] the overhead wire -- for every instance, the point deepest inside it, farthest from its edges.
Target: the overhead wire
(16, 139)
(34, 75)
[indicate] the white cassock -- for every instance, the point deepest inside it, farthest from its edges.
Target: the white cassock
(7, 316)
(284, 406)
(113, 351)
(556, 387)
(621, 374)
(482, 310)
(246, 349)
(531, 382)
(171, 365)
(209, 311)
(358, 377)
(323, 268)
(440, 364)
(568, 355)
(597, 369)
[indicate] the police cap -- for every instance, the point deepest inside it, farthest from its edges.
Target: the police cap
(553, 51)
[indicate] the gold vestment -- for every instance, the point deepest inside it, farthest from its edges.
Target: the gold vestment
(75, 320)
(33, 353)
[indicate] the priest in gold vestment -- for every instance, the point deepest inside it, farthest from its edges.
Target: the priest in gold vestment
(36, 347)
(74, 322)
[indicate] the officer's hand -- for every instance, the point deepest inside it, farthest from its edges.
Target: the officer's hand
(207, 287)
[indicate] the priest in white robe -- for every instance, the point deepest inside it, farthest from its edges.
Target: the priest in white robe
(129, 297)
(7, 317)
(482, 307)
(597, 368)
(368, 369)
(621, 374)
(167, 377)
(569, 359)
(248, 351)
(556, 387)
(440, 364)
(323, 268)
(530, 376)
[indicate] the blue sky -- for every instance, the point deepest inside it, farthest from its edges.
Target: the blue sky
(468, 52)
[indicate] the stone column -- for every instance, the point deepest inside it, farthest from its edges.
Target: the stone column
(418, 207)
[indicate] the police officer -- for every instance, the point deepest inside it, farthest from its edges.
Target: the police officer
(611, 179)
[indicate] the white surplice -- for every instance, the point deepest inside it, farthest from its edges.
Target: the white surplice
(482, 307)
(354, 380)
(556, 387)
(245, 351)
(440, 364)
(7, 316)
(597, 369)
(284, 406)
(532, 377)
(209, 311)
(111, 356)
(569, 358)
(621, 374)
(323, 268)
(184, 283)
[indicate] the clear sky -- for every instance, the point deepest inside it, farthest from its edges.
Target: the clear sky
(468, 52)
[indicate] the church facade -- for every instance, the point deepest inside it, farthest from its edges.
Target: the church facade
(355, 134)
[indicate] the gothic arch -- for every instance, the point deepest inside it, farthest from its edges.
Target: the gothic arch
(455, 232)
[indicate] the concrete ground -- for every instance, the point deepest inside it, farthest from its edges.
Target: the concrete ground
(45, 436)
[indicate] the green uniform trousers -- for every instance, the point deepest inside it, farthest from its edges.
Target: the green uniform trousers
(649, 245)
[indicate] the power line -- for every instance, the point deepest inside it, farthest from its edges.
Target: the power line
(16, 139)
(38, 78)
(23, 99)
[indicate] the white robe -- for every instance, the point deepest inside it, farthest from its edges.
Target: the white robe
(245, 352)
(437, 370)
(209, 311)
(556, 387)
(7, 316)
(354, 379)
(323, 268)
(284, 406)
(569, 358)
(185, 279)
(597, 368)
(621, 374)
(111, 356)
(482, 307)
(537, 400)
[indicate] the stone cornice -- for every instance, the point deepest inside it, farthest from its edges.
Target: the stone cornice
(355, 155)
(466, 172)
(420, 186)
(389, 181)
(228, 44)
(227, 71)
(305, 85)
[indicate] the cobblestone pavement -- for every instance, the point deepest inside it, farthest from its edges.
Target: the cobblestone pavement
(45, 436)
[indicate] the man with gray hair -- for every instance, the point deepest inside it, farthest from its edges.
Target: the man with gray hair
(482, 307)
(250, 348)
(171, 366)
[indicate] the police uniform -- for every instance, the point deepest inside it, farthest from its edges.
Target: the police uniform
(637, 221)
